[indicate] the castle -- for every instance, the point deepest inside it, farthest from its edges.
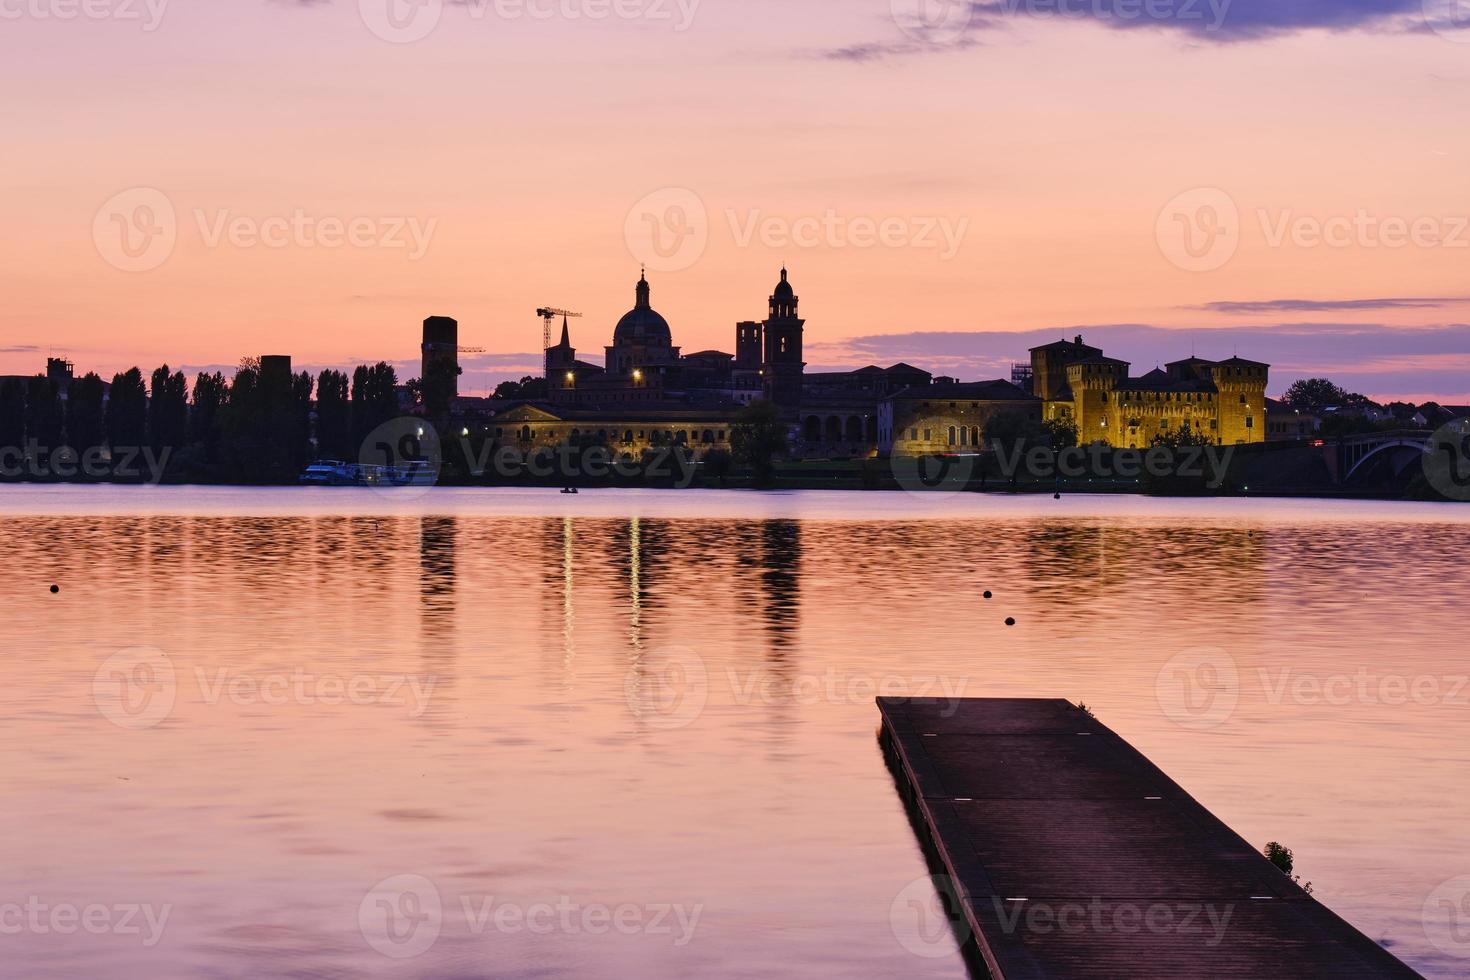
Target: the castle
(647, 393)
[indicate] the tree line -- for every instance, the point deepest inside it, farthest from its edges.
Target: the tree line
(256, 426)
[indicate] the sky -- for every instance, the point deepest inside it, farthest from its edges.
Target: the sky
(948, 182)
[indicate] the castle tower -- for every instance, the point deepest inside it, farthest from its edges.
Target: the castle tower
(748, 346)
(782, 365)
(440, 352)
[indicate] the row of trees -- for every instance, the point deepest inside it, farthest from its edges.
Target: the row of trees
(255, 426)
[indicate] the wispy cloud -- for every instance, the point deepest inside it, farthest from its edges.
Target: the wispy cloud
(886, 50)
(1275, 306)
(1222, 20)
(942, 26)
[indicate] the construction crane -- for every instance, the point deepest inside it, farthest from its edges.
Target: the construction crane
(547, 313)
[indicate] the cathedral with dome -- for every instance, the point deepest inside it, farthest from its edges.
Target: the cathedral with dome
(648, 394)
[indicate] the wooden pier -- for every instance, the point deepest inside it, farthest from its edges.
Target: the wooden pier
(1072, 857)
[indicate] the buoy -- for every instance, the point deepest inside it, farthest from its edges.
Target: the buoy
(987, 593)
(55, 589)
(1010, 621)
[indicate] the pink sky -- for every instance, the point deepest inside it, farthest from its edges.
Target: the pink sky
(1019, 176)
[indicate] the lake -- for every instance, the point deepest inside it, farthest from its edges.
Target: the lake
(515, 733)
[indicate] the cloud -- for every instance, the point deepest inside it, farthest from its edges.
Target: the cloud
(1259, 307)
(1223, 20)
(886, 50)
(938, 26)
(1377, 359)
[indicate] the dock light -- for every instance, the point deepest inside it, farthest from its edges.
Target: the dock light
(637, 375)
(571, 376)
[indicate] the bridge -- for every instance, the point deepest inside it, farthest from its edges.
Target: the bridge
(1393, 451)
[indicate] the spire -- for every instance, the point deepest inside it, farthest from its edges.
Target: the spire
(642, 302)
(566, 336)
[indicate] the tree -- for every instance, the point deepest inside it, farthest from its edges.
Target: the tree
(1060, 433)
(1009, 434)
(1315, 394)
(374, 398)
(1010, 430)
(168, 409)
(84, 419)
(757, 437)
(333, 415)
(12, 414)
(1285, 862)
(43, 412)
(528, 388)
(127, 410)
(205, 412)
(1182, 436)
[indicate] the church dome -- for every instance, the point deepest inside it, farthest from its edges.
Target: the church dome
(642, 324)
(783, 288)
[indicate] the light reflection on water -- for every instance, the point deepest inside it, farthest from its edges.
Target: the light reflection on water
(534, 751)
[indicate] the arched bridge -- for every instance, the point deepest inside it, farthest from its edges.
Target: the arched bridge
(1397, 449)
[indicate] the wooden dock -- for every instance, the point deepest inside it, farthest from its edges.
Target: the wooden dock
(1073, 857)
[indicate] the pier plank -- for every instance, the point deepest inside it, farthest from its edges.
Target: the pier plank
(1075, 858)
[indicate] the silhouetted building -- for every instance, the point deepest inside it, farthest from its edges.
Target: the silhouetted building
(440, 352)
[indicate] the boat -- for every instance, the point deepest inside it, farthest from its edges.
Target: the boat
(334, 473)
(329, 473)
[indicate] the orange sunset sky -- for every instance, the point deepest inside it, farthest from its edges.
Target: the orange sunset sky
(1151, 182)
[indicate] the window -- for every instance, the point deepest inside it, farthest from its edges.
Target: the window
(951, 435)
(1250, 421)
(1214, 423)
(1163, 423)
(913, 433)
(927, 435)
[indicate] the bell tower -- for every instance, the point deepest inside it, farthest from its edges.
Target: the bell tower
(782, 366)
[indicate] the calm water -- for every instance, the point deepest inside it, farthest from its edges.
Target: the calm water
(632, 734)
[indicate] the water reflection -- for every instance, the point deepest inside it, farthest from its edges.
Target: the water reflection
(528, 775)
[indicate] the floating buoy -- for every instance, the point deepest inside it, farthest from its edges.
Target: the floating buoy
(1010, 621)
(987, 593)
(55, 589)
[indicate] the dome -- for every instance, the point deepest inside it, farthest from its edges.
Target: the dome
(642, 324)
(783, 288)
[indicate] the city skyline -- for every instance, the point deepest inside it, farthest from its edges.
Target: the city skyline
(1031, 171)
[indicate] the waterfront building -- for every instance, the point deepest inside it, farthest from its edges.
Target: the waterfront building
(1223, 401)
